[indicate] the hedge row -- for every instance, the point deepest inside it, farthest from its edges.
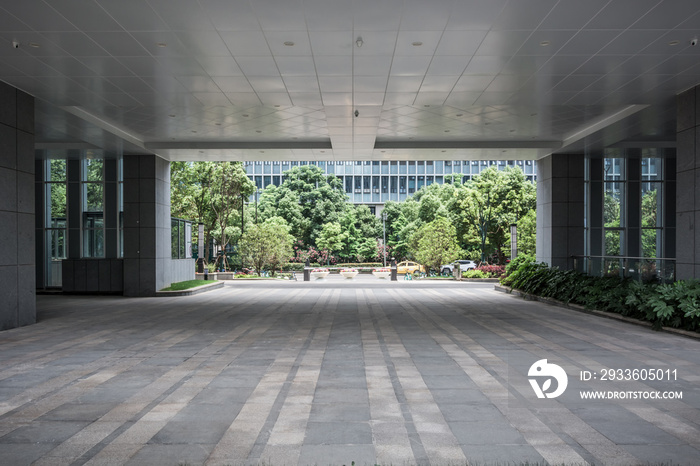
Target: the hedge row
(670, 305)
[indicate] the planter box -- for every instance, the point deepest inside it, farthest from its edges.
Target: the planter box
(382, 275)
(319, 275)
(349, 274)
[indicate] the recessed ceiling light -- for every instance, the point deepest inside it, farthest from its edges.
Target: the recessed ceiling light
(359, 42)
(417, 44)
(544, 43)
(460, 114)
(34, 45)
(674, 42)
(161, 44)
(289, 43)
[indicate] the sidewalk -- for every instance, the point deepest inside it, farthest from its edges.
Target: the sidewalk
(334, 372)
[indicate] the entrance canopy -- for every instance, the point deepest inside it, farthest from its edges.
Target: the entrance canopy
(340, 80)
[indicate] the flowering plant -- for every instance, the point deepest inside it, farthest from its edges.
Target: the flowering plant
(349, 270)
(321, 269)
(382, 269)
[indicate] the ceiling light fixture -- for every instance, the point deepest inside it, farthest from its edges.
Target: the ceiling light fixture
(417, 44)
(544, 43)
(162, 44)
(460, 114)
(289, 43)
(33, 45)
(359, 42)
(674, 43)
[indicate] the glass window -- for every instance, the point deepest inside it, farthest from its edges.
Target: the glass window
(93, 206)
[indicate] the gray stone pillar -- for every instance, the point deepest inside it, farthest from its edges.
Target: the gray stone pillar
(17, 221)
(560, 209)
(147, 255)
(688, 185)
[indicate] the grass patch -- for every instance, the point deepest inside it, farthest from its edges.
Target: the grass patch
(188, 284)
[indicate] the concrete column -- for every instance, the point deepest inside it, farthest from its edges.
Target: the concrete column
(147, 254)
(688, 185)
(17, 219)
(560, 209)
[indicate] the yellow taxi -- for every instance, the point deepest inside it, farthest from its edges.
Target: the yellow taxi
(409, 267)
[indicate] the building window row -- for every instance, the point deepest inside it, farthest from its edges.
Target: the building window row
(372, 181)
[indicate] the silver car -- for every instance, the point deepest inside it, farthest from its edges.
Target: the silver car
(464, 264)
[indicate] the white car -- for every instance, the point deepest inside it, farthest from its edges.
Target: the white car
(464, 264)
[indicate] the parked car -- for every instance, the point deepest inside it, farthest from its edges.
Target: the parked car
(464, 264)
(409, 267)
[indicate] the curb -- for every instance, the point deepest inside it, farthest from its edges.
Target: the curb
(191, 291)
(607, 315)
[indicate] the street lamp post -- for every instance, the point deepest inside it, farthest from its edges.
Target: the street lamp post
(384, 243)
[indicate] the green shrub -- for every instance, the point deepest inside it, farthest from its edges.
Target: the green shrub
(474, 274)
(673, 305)
(518, 261)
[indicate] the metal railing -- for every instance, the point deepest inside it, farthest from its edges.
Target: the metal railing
(646, 269)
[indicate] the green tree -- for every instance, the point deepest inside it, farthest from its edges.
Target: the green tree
(527, 233)
(611, 218)
(649, 224)
(435, 243)
(267, 244)
(190, 194)
(229, 187)
(320, 200)
(331, 237)
(485, 207)
(367, 249)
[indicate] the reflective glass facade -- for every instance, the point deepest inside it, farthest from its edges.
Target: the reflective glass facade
(375, 182)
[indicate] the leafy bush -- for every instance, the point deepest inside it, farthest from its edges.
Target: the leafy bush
(475, 273)
(519, 260)
(492, 271)
(673, 305)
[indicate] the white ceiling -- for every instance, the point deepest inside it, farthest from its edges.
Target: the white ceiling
(220, 79)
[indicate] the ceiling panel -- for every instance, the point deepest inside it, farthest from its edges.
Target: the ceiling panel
(513, 70)
(133, 15)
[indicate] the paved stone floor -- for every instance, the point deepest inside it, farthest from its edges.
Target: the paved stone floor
(335, 372)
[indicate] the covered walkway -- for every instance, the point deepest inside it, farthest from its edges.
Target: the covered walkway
(334, 372)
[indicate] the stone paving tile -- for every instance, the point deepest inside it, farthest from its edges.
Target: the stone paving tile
(330, 373)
